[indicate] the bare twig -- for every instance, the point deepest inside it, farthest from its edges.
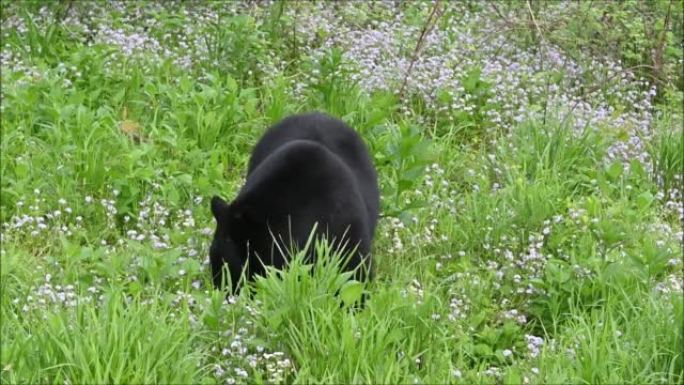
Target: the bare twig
(657, 58)
(496, 9)
(534, 20)
(431, 21)
(541, 57)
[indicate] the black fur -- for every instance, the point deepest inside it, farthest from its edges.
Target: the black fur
(306, 169)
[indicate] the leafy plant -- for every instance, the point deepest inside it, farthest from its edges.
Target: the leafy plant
(407, 156)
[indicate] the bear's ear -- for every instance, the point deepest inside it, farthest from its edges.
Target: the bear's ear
(219, 208)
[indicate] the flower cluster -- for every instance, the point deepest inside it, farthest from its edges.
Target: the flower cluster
(534, 345)
(240, 353)
(383, 52)
(49, 295)
(35, 219)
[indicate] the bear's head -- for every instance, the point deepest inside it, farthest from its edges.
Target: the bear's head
(226, 249)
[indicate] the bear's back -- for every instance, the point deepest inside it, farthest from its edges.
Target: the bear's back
(334, 135)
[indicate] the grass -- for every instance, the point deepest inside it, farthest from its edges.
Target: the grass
(542, 247)
(120, 342)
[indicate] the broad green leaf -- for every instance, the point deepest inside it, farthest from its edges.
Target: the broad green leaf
(615, 170)
(644, 200)
(351, 292)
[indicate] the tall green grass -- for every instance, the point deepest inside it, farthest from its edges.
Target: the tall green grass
(491, 240)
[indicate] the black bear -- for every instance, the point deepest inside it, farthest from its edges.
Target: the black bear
(307, 169)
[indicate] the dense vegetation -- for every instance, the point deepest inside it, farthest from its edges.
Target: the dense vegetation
(530, 158)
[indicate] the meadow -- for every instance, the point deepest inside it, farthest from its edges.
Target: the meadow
(530, 157)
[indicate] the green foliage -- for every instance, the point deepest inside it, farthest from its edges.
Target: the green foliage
(530, 253)
(384, 341)
(407, 154)
(645, 36)
(667, 151)
(101, 344)
(236, 45)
